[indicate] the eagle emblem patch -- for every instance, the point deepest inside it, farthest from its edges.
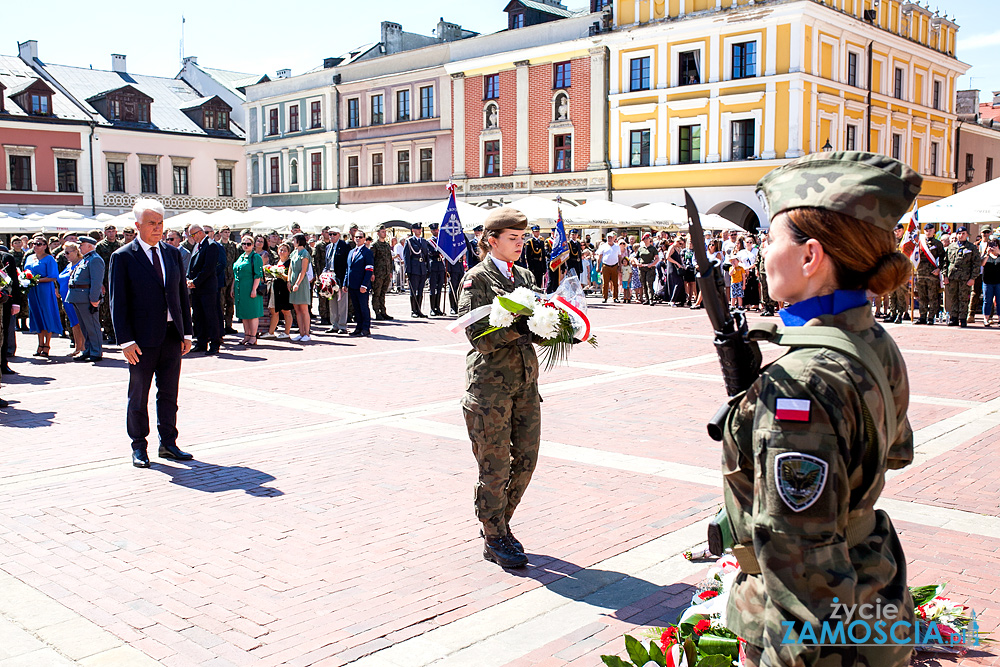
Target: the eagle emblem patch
(800, 479)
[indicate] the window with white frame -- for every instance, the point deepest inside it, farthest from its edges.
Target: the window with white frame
(851, 138)
(853, 68)
(689, 67)
(639, 148)
(744, 139)
(689, 144)
(744, 64)
(426, 165)
(898, 81)
(403, 166)
(935, 149)
(897, 146)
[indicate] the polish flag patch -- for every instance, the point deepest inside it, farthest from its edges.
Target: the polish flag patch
(467, 284)
(792, 409)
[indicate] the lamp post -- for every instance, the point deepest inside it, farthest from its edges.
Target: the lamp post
(970, 173)
(827, 147)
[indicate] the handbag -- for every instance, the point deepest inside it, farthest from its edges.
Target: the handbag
(262, 284)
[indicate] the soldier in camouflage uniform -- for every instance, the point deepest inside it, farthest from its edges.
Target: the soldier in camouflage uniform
(105, 248)
(899, 298)
(382, 277)
(501, 404)
(319, 266)
(963, 266)
(932, 261)
(806, 448)
(233, 252)
(767, 305)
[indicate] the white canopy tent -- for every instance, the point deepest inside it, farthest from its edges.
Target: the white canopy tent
(980, 204)
(469, 215)
(602, 213)
(228, 216)
(662, 214)
(264, 219)
(369, 218)
(179, 222)
(540, 210)
(314, 221)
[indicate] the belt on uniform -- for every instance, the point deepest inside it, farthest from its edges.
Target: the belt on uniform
(79, 286)
(858, 530)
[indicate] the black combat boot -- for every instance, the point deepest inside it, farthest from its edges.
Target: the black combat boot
(500, 551)
(514, 542)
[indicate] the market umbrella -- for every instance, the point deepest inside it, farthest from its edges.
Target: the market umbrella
(601, 213)
(179, 222)
(469, 215)
(314, 221)
(369, 218)
(228, 216)
(976, 205)
(539, 210)
(662, 215)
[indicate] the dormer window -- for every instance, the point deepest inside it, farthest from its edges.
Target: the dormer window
(41, 104)
(126, 104)
(2, 89)
(212, 113)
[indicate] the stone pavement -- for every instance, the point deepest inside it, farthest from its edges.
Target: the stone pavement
(328, 517)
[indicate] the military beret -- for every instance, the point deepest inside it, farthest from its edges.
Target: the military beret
(433, 226)
(505, 218)
(416, 225)
(94, 232)
(535, 228)
(477, 228)
(87, 239)
(930, 225)
(962, 229)
(868, 187)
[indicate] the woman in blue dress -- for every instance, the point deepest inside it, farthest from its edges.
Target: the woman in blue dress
(72, 251)
(43, 307)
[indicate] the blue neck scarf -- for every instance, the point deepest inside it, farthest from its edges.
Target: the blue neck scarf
(799, 313)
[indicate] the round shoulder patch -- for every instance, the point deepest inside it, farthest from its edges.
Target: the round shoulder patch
(800, 479)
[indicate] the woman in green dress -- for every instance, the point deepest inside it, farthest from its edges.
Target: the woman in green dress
(298, 286)
(248, 272)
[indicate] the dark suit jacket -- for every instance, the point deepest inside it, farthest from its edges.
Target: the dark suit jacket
(139, 302)
(360, 268)
(10, 267)
(336, 256)
(207, 263)
(471, 251)
(416, 256)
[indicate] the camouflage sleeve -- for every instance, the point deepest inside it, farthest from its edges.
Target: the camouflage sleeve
(942, 258)
(802, 496)
(475, 295)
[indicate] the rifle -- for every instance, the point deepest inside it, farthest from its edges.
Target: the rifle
(739, 357)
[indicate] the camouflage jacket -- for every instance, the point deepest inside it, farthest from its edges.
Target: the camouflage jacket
(319, 257)
(383, 258)
(963, 261)
(924, 266)
(795, 471)
(233, 251)
(504, 357)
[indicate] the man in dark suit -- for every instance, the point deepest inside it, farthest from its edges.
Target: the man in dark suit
(360, 268)
(416, 260)
(10, 308)
(336, 261)
(151, 315)
(203, 281)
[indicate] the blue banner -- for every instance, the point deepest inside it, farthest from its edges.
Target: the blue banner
(560, 248)
(451, 240)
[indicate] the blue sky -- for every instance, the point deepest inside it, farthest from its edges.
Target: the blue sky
(256, 36)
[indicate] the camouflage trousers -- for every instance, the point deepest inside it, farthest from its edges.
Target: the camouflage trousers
(380, 285)
(766, 303)
(105, 314)
(228, 305)
(929, 295)
(899, 302)
(505, 426)
(958, 293)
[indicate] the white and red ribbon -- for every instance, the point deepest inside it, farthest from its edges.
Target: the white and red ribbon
(581, 322)
(472, 316)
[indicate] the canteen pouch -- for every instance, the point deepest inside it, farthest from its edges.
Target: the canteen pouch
(720, 535)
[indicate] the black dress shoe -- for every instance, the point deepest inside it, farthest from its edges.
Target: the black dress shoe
(7, 370)
(199, 348)
(500, 551)
(4, 404)
(387, 316)
(332, 330)
(212, 350)
(963, 323)
(173, 453)
(82, 357)
(422, 315)
(359, 334)
(140, 459)
(230, 331)
(414, 315)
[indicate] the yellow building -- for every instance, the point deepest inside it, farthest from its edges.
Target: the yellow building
(710, 95)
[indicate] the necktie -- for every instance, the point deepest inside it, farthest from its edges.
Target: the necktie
(510, 270)
(156, 264)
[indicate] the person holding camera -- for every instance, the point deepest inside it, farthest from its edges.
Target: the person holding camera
(991, 280)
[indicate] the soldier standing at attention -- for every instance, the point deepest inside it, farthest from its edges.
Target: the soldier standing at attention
(932, 258)
(899, 298)
(105, 248)
(233, 252)
(963, 268)
(575, 260)
(382, 277)
(415, 261)
(319, 266)
(501, 404)
(535, 257)
(436, 275)
(807, 446)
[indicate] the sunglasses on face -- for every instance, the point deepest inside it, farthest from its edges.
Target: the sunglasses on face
(39, 243)
(246, 245)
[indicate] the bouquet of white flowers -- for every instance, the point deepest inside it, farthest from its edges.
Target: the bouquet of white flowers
(559, 319)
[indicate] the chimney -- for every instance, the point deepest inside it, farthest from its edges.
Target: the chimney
(996, 98)
(284, 73)
(191, 59)
(392, 37)
(28, 51)
(448, 32)
(118, 63)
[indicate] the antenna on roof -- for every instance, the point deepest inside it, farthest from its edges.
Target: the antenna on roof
(182, 40)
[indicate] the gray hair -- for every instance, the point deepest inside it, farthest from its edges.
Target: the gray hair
(142, 205)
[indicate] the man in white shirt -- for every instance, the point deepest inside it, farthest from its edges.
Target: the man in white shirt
(608, 257)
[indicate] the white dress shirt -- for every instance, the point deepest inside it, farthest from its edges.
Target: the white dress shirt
(610, 254)
(502, 265)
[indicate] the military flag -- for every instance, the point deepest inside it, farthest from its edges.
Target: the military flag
(560, 247)
(451, 241)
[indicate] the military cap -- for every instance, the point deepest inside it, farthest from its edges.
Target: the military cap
(477, 228)
(87, 239)
(899, 225)
(505, 218)
(647, 235)
(536, 228)
(986, 230)
(94, 232)
(575, 231)
(416, 225)
(433, 226)
(225, 228)
(929, 225)
(962, 229)
(872, 188)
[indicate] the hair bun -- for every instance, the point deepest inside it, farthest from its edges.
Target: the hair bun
(889, 273)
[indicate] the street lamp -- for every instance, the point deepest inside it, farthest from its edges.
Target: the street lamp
(827, 147)
(970, 173)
